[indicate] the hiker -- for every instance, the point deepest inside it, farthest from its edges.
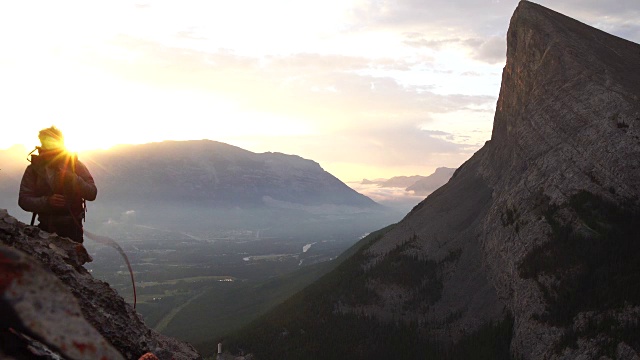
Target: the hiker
(55, 186)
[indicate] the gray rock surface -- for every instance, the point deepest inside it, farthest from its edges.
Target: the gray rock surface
(48, 295)
(40, 305)
(567, 121)
(566, 129)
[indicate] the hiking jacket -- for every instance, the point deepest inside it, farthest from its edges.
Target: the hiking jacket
(51, 173)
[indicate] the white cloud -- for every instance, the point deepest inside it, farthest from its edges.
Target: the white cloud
(493, 50)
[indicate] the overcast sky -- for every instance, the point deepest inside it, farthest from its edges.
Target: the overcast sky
(367, 88)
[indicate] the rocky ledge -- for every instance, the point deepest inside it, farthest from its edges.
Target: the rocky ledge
(52, 308)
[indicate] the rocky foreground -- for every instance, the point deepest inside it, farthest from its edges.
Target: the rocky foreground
(52, 308)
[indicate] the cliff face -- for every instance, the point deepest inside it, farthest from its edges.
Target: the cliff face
(564, 167)
(47, 295)
(537, 223)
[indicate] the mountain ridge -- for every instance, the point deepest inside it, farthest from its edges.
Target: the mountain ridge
(204, 171)
(432, 182)
(419, 184)
(218, 173)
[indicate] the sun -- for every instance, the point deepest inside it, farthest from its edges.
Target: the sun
(73, 145)
(83, 142)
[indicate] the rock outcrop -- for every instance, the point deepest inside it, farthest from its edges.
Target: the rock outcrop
(539, 219)
(48, 298)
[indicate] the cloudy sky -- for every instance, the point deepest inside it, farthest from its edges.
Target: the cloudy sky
(367, 88)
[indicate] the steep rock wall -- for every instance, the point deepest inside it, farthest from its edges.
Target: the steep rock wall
(538, 215)
(567, 123)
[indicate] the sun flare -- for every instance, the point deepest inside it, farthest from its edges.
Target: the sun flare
(75, 145)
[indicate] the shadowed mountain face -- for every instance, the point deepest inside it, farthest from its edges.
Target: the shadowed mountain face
(217, 174)
(535, 227)
(201, 186)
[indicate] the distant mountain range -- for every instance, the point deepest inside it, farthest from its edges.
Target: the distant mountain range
(420, 185)
(218, 175)
(394, 182)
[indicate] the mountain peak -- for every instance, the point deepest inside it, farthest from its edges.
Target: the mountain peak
(564, 82)
(546, 48)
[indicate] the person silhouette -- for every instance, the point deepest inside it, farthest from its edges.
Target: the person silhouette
(55, 186)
